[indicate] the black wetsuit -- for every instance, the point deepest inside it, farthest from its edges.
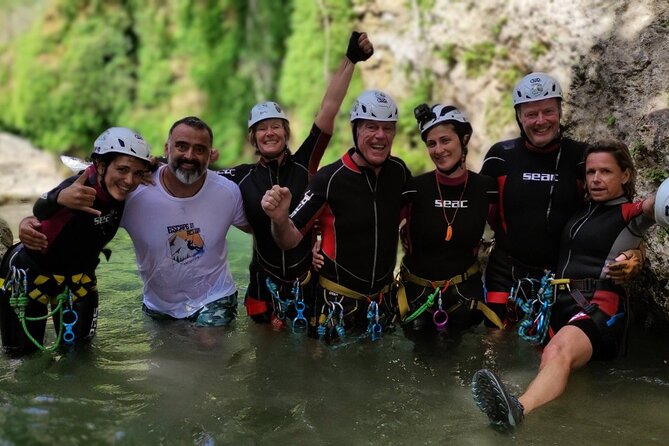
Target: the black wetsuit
(282, 267)
(359, 215)
(594, 237)
(539, 190)
(467, 202)
(75, 240)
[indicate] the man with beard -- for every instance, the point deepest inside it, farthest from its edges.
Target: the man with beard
(178, 226)
(182, 255)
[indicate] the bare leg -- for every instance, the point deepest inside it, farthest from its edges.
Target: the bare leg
(569, 349)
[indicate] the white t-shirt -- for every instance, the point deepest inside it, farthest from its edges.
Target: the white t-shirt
(182, 255)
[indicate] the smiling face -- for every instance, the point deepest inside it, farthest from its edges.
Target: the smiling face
(540, 120)
(604, 177)
(270, 137)
(188, 152)
(444, 146)
(375, 140)
(122, 175)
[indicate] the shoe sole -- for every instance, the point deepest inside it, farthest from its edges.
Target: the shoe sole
(492, 399)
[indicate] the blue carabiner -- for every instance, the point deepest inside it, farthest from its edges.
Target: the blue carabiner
(300, 322)
(68, 336)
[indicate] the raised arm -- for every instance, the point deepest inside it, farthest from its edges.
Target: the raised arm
(360, 48)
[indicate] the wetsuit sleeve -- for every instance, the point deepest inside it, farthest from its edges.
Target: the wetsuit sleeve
(492, 195)
(313, 201)
(494, 162)
(312, 149)
(410, 188)
(47, 205)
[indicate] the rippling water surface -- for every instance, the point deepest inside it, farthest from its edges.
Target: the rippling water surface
(143, 382)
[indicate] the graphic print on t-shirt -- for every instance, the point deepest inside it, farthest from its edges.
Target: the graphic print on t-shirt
(185, 242)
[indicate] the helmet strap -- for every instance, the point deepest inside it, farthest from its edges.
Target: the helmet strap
(452, 170)
(268, 159)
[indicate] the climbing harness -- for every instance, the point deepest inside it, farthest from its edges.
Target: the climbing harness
(334, 322)
(374, 328)
(299, 322)
(16, 284)
(535, 298)
(440, 317)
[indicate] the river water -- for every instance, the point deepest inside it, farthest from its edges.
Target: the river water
(145, 382)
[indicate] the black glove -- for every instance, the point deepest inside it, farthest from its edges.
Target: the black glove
(354, 52)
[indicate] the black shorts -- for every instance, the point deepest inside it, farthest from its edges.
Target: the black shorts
(604, 327)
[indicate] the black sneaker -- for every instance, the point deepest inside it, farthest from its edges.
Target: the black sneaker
(503, 409)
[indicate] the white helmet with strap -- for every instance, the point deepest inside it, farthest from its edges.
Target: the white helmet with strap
(536, 87)
(123, 141)
(265, 110)
(662, 204)
(374, 105)
(439, 114)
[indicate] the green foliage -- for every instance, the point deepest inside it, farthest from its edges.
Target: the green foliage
(611, 121)
(497, 28)
(657, 174)
(73, 81)
(478, 58)
(449, 54)
(408, 144)
(320, 33)
(538, 49)
(426, 5)
(637, 147)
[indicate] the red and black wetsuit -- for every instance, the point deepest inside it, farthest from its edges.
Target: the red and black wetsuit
(467, 202)
(75, 240)
(539, 190)
(359, 215)
(594, 237)
(268, 260)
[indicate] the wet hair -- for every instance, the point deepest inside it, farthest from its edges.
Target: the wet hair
(195, 122)
(251, 136)
(623, 158)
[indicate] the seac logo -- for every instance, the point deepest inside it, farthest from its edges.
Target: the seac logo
(307, 196)
(451, 204)
(529, 176)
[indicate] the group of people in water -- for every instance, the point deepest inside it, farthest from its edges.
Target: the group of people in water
(567, 231)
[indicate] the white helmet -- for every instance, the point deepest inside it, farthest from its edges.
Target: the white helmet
(536, 87)
(374, 105)
(265, 110)
(439, 114)
(122, 140)
(662, 204)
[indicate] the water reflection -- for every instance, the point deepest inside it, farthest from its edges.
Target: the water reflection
(144, 382)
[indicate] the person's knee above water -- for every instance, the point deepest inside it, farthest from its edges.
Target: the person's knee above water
(281, 280)
(589, 315)
(440, 278)
(178, 228)
(357, 200)
(55, 275)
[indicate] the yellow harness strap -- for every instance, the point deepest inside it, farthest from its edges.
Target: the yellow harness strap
(489, 314)
(403, 301)
(340, 289)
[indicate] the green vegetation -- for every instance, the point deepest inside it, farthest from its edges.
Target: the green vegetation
(478, 58)
(538, 49)
(611, 121)
(497, 28)
(657, 174)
